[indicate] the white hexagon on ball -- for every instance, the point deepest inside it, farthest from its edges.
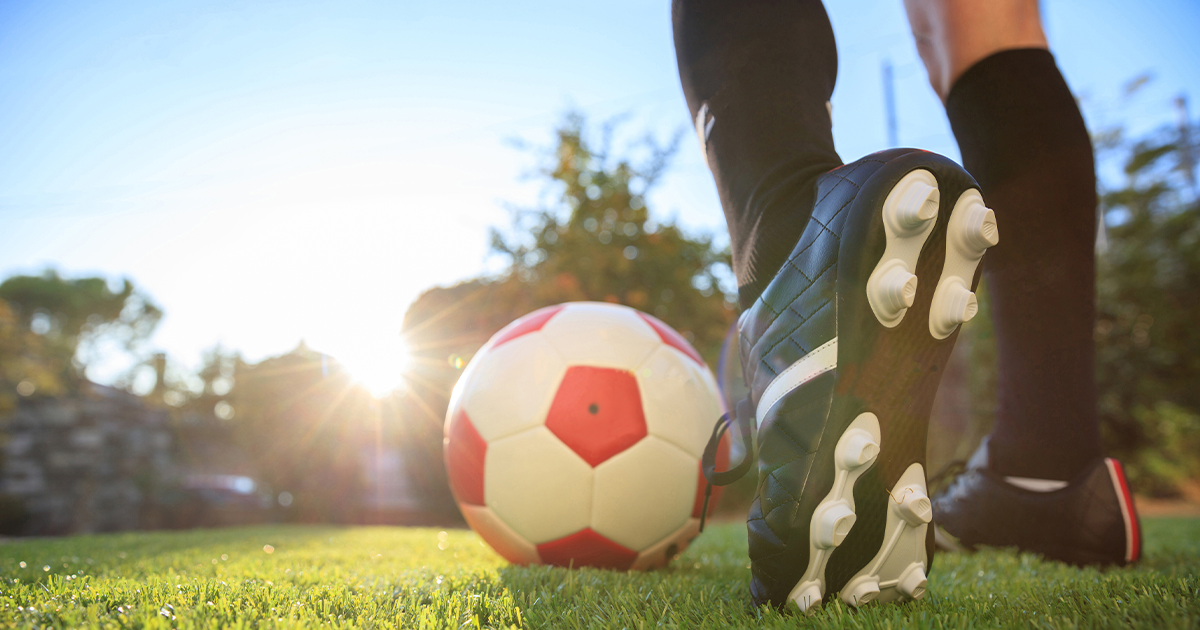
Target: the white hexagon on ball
(675, 387)
(644, 493)
(512, 385)
(601, 335)
(538, 486)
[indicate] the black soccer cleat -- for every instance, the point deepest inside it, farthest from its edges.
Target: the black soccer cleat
(1090, 520)
(842, 355)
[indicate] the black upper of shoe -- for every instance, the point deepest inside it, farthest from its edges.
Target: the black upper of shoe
(1083, 523)
(820, 289)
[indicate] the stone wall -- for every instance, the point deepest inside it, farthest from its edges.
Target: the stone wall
(89, 462)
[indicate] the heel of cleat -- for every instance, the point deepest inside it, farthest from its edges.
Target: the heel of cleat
(977, 230)
(969, 233)
(953, 304)
(912, 204)
(893, 291)
(908, 214)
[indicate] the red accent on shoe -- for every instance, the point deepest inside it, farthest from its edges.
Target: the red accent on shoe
(586, 548)
(1133, 537)
(465, 452)
(530, 323)
(672, 338)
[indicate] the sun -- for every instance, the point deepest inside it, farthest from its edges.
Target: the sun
(378, 365)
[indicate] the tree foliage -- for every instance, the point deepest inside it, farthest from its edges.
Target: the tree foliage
(1148, 298)
(77, 315)
(28, 363)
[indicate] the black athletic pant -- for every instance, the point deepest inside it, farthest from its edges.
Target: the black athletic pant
(758, 75)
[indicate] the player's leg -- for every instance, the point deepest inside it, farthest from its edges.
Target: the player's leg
(853, 278)
(1023, 138)
(758, 76)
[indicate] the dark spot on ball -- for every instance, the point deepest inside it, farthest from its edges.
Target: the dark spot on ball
(593, 409)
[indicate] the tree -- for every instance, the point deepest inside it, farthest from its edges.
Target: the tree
(27, 364)
(597, 241)
(1147, 341)
(78, 318)
(304, 424)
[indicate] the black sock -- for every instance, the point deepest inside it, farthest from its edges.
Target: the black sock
(764, 69)
(1023, 139)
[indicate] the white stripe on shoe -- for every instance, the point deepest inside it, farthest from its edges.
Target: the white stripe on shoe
(810, 366)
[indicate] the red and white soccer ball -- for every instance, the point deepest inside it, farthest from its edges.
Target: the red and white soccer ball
(574, 438)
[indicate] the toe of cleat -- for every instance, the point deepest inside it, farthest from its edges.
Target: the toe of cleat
(832, 523)
(806, 595)
(861, 591)
(914, 507)
(857, 448)
(912, 583)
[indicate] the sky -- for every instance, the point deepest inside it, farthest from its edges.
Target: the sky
(271, 172)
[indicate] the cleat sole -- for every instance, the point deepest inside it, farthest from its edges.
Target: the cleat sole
(969, 234)
(909, 216)
(856, 450)
(898, 571)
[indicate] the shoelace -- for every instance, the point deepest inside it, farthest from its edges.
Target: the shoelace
(743, 417)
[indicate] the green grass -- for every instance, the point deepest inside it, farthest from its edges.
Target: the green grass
(396, 577)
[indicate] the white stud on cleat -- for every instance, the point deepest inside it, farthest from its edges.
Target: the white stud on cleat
(897, 571)
(912, 583)
(805, 595)
(861, 591)
(953, 304)
(908, 214)
(977, 231)
(857, 448)
(969, 233)
(833, 518)
(916, 203)
(914, 506)
(832, 523)
(893, 289)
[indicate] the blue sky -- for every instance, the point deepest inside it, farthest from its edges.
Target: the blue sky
(277, 171)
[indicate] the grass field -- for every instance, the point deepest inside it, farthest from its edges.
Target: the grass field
(396, 577)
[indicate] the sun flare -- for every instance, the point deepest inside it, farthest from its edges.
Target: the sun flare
(379, 366)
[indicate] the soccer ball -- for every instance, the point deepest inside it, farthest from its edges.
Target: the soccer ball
(574, 438)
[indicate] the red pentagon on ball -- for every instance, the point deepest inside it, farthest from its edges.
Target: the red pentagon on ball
(530, 323)
(597, 412)
(465, 453)
(672, 338)
(586, 548)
